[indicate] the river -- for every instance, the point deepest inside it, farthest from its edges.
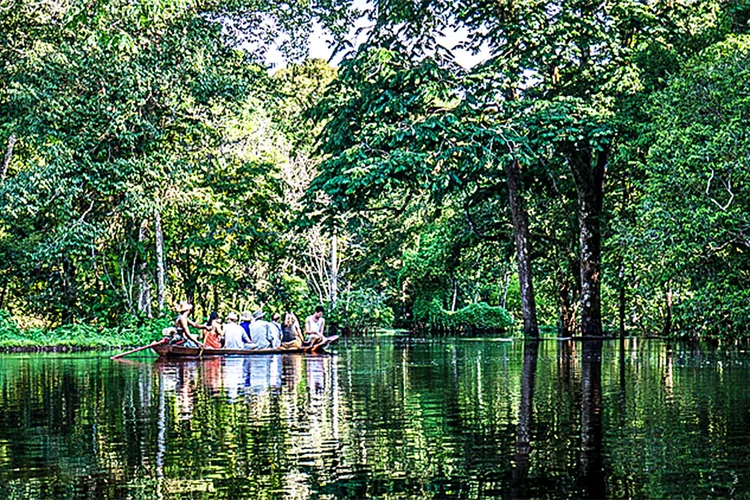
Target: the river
(383, 417)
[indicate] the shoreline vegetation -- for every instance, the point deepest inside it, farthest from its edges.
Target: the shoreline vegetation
(595, 181)
(77, 337)
(135, 333)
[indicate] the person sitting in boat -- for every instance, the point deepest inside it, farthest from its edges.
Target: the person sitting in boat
(315, 327)
(276, 321)
(246, 319)
(291, 333)
(262, 333)
(234, 335)
(213, 335)
(183, 323)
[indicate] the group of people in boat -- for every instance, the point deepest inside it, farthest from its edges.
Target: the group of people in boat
(248, 331)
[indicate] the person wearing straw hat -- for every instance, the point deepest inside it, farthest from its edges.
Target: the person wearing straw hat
(183, 323)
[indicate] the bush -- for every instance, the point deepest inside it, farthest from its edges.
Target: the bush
(360, 312)
(129, 333)
(8, 326)
(476, 317)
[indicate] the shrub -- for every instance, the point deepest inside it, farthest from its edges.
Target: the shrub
(360, 312)
(479, 316)
(132, 332)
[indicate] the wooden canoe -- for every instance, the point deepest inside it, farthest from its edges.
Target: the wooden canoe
(177, 351)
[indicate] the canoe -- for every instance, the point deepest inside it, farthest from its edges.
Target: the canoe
(177, 351)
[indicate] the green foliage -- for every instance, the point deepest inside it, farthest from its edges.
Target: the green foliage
(694, 212)
(360, 312)
(125, 111)
(130, 333)
(476, 317)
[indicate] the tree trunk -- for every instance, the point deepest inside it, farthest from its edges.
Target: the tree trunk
(667, 328)
(144, 287)
(505, 289)
(621, 299)
(566, 308)
(521, 235)
(69, 298)
(159, 237)
(621, 268)
(3, 293)
(188, 282)
(455, 294)
(334, 270)
(8, 154)
(589, 186)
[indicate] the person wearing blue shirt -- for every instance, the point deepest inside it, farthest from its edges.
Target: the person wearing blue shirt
(246, 320)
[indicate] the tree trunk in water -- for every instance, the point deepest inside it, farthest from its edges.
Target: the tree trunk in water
(521, 235)
(8, 154)
(334, 270)
(566, 309)
(589, 184)
(159, 237)
(144, 287)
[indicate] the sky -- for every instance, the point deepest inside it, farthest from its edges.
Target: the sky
(319, 48)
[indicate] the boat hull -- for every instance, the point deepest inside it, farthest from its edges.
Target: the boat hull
(177, 351)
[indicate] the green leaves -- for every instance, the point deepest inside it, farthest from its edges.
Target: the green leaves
(695, 209)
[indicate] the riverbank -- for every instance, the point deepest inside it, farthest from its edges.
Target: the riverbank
(77, 337)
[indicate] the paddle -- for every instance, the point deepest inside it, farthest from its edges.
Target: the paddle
(162, 341)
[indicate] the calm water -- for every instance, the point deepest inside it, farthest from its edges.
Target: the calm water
(389, 417)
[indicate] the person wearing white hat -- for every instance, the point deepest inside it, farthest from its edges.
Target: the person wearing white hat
(246, 319)
(234, 335)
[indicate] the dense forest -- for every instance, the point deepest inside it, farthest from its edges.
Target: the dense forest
(591, 175)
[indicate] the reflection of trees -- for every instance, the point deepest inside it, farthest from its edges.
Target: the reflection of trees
(441, 418)
(592, 475)
(525, 410)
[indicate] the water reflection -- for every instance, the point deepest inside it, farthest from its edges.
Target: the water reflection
(525, 409)
(237, 377)
(406, 418)
(592, 465)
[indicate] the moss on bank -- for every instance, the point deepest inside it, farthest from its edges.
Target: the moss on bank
(130, 333)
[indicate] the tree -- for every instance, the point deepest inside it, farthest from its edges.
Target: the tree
(694, 212)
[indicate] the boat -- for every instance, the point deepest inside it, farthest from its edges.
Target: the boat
(166, 350)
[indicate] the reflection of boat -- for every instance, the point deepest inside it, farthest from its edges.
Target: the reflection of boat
(176, 351)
